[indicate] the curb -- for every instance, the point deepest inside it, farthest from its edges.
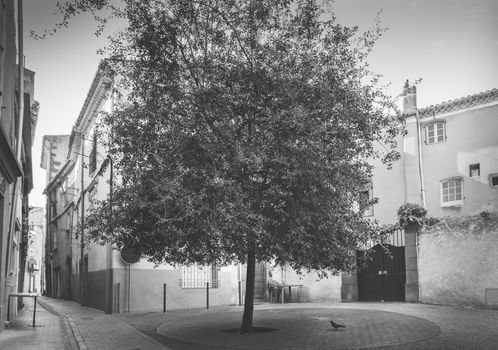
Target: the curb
(74, 329)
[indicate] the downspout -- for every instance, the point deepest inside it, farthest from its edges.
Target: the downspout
(110, 250)
(82, 222)
(20, 66)
(72, 233)
(420, 159)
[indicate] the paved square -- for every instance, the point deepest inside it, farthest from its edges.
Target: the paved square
(302, 328)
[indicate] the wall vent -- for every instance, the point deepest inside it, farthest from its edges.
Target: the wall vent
(491, 296)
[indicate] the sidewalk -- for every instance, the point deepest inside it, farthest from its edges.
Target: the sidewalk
(50, 332)
(66, 325)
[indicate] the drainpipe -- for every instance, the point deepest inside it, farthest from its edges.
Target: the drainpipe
(420, 159)
(409, 107)
(82, 221)
(110, 250)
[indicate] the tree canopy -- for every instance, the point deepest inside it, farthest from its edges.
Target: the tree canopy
(246, 131)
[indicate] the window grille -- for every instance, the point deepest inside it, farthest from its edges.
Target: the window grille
(197, 276)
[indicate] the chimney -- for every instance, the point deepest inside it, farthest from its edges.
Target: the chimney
(409, 99)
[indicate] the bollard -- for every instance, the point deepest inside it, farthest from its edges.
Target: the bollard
(34, 312)
(240, 293)
(207, 295)
(119, 283)
(164, 297)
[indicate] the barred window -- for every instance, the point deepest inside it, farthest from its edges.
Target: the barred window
(197, 276)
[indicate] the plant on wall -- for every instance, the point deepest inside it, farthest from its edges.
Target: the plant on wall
(410, 213)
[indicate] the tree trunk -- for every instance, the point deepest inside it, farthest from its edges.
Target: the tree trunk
(249, 299)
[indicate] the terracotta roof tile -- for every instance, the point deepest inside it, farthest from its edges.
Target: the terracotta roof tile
(461, 103)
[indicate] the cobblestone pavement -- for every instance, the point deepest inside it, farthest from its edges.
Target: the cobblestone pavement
(303, 328)
(66, 325)
(95, 330)
(306, 326)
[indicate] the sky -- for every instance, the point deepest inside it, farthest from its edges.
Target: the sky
(451, 44)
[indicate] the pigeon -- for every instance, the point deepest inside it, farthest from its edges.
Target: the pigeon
(336, 325)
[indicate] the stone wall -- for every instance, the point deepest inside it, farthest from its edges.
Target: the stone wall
(458, 260)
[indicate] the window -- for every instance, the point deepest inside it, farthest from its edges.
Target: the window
(196, 276)
(92, 166)
(53, 207)
(493, 180)
(435, 132)
(452, 192)
(364, 200)
(474, 170)
(92, 189)
(54, 235)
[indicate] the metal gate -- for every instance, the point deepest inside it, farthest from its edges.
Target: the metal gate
(383, 277)
(260, 281)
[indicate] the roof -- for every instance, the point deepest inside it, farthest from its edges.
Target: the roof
(459, 104)
(102, 76)
(101, 84)
(57, 178)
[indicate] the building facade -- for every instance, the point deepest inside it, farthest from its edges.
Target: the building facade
(53, 159)
(18, 116)
(34, 281)
(459, 147)
(449, 165)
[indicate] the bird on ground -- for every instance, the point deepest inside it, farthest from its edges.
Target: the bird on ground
(336, 325)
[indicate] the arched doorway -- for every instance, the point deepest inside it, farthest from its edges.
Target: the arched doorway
(383, 277)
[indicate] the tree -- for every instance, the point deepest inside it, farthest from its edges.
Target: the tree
(244, 135)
